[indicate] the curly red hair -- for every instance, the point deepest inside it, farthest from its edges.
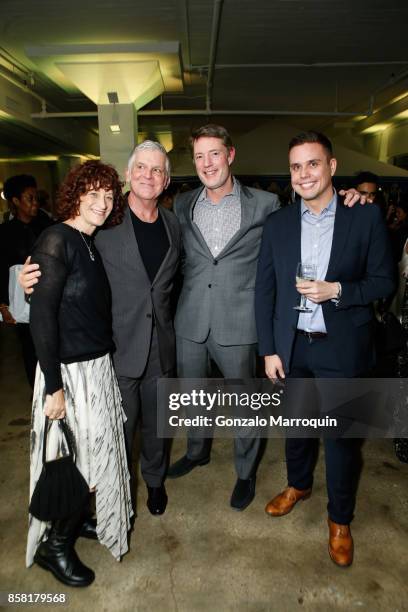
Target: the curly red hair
(83, 178)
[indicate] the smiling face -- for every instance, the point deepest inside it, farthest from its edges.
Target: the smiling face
(311, 171)
(95, 207)
(148, 177)
(212, 160)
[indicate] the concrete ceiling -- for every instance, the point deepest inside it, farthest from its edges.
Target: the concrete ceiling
(314, 62)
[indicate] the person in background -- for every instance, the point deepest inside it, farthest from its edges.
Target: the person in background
(17, 238)
(45, 204)
(399, 308)
(398, 228)
(71, 325)
(366, 184)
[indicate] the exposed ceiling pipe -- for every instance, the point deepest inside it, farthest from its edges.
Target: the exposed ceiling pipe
(395, 78)
(187, 32)
(213, 50)
(192, 112)
(6, 74)
(153, 113)
(67, 115)
(13, 67)
(299, 65)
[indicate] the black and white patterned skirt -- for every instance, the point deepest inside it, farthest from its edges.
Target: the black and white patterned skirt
(95, 416)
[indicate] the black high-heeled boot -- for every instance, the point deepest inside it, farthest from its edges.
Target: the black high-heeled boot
(57, 554)
(87, 527)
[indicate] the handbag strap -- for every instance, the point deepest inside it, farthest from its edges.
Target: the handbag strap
(64, 427)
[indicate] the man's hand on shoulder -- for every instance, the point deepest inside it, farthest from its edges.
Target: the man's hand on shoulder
(273, 367)
(29, 276)
(352, 196)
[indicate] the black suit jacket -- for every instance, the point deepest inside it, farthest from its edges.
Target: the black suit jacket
(360, 260)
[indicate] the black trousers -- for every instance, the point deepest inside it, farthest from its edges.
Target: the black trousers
(139, 396)
(312, 359)
(28, 349)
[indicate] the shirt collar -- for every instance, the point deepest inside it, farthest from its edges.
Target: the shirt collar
(331, 207)
(234, 192)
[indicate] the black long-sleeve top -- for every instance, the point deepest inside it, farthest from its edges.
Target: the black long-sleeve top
(70, 315)
(17, 240)
(152, 241)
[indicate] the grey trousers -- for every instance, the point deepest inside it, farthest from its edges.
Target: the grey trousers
(233, 362)
(139, 397)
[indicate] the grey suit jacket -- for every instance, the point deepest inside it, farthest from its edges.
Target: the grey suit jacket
(136, 301)
(218, 293)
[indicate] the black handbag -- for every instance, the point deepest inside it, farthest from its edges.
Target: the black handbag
(61, 490)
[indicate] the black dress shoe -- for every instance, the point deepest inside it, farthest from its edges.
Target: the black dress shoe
(157, 500)
(88, 529)
(184, 466)
(243, 493)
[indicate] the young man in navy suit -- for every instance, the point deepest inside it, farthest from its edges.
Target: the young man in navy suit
(334, 339)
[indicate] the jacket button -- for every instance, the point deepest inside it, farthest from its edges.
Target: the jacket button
(209, 286)
(215, 262)
(149, 316)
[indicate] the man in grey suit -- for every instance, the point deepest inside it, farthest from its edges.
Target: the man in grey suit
(141, 256)
(221, 224)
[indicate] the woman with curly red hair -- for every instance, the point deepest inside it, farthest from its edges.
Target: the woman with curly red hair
(71, 327)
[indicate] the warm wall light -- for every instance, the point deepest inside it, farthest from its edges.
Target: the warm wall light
(401, 116)
(378, 127)
(115, 128)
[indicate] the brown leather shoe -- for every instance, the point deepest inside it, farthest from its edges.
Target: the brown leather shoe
(283, 503)
(340, 544)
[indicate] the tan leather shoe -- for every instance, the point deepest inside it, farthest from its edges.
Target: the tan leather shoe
(283, 503)
(340, 544)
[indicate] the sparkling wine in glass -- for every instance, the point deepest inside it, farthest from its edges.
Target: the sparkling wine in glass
(305, 271)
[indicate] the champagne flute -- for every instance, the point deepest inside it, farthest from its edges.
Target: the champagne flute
(305, 271)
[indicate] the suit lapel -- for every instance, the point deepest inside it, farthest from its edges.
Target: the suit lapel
(248, 207)
(294, 243)
(129, 247)
(197, 234)
(163, 213)
(342, 224)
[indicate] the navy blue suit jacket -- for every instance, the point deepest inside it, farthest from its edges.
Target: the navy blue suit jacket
(360, 260)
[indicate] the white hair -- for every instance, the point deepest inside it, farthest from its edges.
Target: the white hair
(148, 145)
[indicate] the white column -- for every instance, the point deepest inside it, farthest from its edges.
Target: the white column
(115, 147)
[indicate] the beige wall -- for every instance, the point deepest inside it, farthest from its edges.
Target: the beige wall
(42, 172)
(264, 151)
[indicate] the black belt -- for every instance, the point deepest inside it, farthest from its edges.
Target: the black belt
(312, 335)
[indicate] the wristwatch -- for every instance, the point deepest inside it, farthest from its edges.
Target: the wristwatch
(336, 300)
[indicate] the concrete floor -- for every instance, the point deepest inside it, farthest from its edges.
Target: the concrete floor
(201, 555)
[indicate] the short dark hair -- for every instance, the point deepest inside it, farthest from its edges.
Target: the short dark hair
(83, 178)
(366, 177)
(211, 130)
(311, 137)
(15, 186)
